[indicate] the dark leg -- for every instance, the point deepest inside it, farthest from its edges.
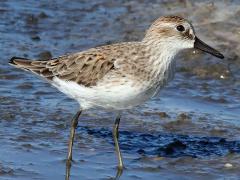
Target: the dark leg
(115, 137)
(70, 145)
(72, 133)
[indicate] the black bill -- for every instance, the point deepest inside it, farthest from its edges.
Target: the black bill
(198, 44)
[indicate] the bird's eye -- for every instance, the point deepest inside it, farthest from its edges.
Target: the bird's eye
(180, 28)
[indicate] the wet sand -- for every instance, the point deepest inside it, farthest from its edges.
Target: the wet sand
(190, 132)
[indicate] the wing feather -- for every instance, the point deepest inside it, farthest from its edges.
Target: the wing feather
(88, 67)
(84, 68)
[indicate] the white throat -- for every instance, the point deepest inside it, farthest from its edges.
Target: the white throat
(162, 60)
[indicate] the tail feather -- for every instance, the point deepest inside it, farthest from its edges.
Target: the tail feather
(37, 67)
(20, 62)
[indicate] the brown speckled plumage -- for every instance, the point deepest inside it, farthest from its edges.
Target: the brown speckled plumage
(137, 70)
(172, 18)
(88, 67)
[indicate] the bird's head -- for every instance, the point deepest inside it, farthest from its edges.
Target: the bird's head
(177, 33)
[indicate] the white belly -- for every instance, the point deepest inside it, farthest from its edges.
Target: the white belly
(109, 96)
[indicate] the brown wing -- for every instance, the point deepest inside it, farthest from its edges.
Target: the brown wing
(84, 68)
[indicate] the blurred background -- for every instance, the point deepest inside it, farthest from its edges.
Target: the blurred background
(190, 132)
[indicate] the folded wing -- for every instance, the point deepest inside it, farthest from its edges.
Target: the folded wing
(83, 68)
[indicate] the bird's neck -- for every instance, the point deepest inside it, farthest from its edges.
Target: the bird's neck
(162, 59)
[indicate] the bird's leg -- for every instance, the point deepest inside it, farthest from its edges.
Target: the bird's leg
(115, 137)
(72, 133)
(70, 145)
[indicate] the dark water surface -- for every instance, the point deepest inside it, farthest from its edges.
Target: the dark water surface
(190, 132)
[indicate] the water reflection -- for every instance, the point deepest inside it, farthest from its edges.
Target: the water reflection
(163, 145)
(119, 172)
(167, 144)
(68, 169)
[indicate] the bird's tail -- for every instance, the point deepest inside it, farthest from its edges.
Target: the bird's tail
(37, 67)
(22, 63)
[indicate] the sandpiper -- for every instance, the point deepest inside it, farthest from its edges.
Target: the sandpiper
(119, 76)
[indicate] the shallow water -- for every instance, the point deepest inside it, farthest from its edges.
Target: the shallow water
(190, 132)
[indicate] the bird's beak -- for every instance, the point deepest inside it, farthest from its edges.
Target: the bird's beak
(198, 44)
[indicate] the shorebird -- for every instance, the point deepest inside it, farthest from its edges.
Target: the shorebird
(119, 76)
